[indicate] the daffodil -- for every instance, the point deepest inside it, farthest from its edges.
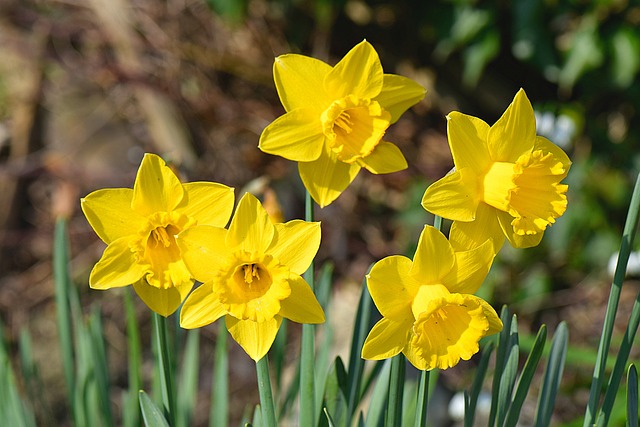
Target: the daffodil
(429, 312)
(506, 180)
(336, 118)
(140, 225)
(251, 275)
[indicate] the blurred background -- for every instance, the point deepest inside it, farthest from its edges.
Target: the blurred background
(88, 86)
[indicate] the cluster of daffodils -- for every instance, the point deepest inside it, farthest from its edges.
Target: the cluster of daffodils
(163, 235)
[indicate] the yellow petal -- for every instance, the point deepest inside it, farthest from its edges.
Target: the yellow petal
(255, 338)
(327, 177)
(208, 203)
(495, 324)
(385, 158)
(299, 81)
(468, 141)
(456, 196)
(157, 188)
(296, 135)
(469, 235)
(301, 306)
(391, 287)
(425, 296)
(433, 258)
(110, 215)
(517, 240)
(117, 267)
(398, 94)
(163, 301)
(449, 330)
(547, 146)
(386, 339)
(251, 229)
(358, 73)
(470, 269)
(203, 250)
(295, 244)
(515, 132)
(410, 351)
(201, 308)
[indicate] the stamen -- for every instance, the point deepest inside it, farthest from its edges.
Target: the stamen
(251, 271)
(160, 236)
(344, 122)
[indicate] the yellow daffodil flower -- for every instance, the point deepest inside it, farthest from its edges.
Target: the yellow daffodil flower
(139, 226)
(251, 275)
(506, 180)
(336, 118)
(428, 311)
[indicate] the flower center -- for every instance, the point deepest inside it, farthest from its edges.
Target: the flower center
(252, 285)
(157, 248)
(252, 279)
(354, 126)
(529, 190)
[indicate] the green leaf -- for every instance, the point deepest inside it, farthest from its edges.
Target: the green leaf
(376, 409)
(524, 382)
(219, 414)
(508, 374)
(131, 406)
(151, 414)
(476, 386)
(188, 389)
(552, 376)
(335, 402)
(625, 45)
(632, 396)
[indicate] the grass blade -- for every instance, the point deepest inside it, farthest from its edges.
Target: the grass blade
(151, 414)
(63, 309)
(524, 382)
(632, 396)
(219, 413)
(396, 389)
(630, 228)
(552, 376)
(423, 400)
(508, 374)
(188, 389)
(131, 406)
(620, 365)
(356, 363)
(379, 396)
(476, 386)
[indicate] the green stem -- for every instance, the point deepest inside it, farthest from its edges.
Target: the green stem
(423, 400)
(219, 413)
(266, 395)
(161, 336)
(628, 234)
(396, 388)
(307, 357)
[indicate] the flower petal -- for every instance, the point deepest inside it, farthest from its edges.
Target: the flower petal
(110, 215)
(201, 308)
(495, 324)
(327, 177)
(398, 94)
(157, 188)
(547, 146)
(515, 132)
(117, 267)
(295, 244)
(465, 236)
(358, 73)
(434, 257)
(163, 301)
(392, 288)
(255, 338)
(468, 142)
(385, 158)
(299, 81)
(470, 269)
(251, 229)
(301, 306)
(386, 339)
(203, 250)
(209, 203)
(456, 196)
(296, 135)
(517, 240)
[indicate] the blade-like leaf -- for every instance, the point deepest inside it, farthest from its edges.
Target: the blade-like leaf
(632, 396)
(552, 376)
(151, 414)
